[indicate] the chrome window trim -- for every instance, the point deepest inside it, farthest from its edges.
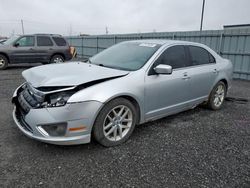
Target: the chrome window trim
(164, 48)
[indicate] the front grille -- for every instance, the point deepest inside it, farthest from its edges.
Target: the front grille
(25, 107)
(20, 117)
(28, 99)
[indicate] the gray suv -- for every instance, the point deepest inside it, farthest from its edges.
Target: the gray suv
(42, 48)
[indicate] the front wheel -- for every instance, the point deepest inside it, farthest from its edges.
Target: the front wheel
(217, 96)
(3, 62)
(57, 59)
(115, 122)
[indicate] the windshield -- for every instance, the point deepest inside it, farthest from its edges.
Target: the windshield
(10, 40)
(126, 56)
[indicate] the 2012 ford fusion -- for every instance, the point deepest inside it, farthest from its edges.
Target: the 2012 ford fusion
(127, 84)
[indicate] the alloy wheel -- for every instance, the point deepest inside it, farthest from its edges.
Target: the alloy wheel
(117, 123)
(219, 96)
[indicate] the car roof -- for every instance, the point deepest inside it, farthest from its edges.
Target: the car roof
(47, 34)
(42, 34)
(164, 42)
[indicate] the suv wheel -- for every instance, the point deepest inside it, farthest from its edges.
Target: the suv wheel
(115, 122)
(3, 62)
(57, 59)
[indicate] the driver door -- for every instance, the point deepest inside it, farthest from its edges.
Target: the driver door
(23, 50)
(168, 93)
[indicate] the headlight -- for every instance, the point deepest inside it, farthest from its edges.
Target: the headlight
(57, 99)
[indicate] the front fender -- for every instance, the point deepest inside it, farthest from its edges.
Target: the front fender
(106, 91)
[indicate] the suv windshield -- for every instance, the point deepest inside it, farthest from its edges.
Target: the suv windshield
(10, 40)
(126, 56)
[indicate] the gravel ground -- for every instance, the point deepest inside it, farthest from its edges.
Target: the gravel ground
(196, 148)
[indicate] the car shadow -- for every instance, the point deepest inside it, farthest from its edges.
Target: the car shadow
(166, 122)
(93, 145)
(22, 66)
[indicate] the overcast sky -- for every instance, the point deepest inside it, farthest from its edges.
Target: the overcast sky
(72, 17)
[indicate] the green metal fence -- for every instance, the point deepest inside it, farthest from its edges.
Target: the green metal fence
(233, 44)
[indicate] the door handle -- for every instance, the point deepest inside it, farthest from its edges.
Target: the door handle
(31, 49)
(185, 76)
(50, 48)
(215, 71)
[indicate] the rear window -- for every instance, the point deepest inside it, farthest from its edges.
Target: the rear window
(60, 41)
(44, 41)
(200, 56)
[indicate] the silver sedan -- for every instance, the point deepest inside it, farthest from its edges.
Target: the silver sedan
(127, 84)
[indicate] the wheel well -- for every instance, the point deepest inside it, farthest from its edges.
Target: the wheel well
(225, 82)
(135, 103)
(61, 54)
(4, 54)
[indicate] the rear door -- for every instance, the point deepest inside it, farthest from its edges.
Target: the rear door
(202, 72)
(168, 94)
(62, 47)
(23, 51)
(44, 48)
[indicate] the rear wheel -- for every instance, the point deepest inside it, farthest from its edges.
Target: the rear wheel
(217, 96)
(3, 62)
(57, 59)
(115, 122)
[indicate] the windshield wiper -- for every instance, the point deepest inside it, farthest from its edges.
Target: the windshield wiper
(112, 67)
(102, 65)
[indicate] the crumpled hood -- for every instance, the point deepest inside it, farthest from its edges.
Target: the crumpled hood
(68, 74)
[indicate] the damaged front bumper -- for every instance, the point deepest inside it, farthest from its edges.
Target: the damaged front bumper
(66, 125)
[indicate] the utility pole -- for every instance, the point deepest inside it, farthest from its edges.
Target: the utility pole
(106, 29)
(22, 26)
(202, 14)
(70, 29)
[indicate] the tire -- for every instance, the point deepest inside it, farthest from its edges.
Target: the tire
(57, 59)
(217, 96)
(3, 62)
(110, 130)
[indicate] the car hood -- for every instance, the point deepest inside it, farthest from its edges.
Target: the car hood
(2, 45)
(68, 74)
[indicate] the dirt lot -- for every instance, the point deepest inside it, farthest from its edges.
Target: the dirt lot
(197, 148)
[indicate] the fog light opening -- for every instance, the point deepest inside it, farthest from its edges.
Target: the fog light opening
(58, 129)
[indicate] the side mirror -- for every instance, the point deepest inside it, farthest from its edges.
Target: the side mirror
(16, 44)
(163, 69)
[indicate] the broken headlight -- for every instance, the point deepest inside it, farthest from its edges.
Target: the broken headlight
(57, 99)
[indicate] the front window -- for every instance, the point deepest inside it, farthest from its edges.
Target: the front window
(26, 41)
(174, 56)
(126, 56)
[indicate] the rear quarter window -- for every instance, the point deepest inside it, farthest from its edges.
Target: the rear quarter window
(60, 41)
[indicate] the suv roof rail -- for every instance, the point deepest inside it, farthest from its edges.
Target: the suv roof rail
(48, 34)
